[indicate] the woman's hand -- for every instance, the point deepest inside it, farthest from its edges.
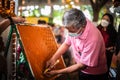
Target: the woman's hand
(51, 73)
(18, 19)
(50, 63)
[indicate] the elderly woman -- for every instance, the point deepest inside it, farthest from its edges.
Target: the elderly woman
(88, 48)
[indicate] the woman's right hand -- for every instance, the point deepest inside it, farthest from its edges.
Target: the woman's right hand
(50, 63)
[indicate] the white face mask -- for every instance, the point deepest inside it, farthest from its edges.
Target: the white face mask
(104, 23)
(75, 34)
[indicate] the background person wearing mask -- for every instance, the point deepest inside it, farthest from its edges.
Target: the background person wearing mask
(88, 48)
(109, 34)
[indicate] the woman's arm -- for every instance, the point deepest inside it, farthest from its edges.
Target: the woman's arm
(6, 22)
(61, 50)
(73, 68)
(70, 69)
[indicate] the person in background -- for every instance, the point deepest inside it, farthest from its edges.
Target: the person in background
(109, 34)
(56, 32)
(88, 48)
(4, 24)
(41, 22)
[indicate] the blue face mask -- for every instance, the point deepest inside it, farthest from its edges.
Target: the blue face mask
(72, 34)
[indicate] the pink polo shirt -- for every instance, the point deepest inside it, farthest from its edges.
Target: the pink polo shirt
(89, 49)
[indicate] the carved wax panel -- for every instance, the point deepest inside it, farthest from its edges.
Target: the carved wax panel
(39, 45)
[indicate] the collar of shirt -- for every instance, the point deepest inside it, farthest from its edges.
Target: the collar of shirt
(86, 31)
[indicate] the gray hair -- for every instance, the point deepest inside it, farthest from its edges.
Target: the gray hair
(74, 17)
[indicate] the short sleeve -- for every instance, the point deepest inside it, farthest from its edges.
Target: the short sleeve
(90, 54)
(68, 40)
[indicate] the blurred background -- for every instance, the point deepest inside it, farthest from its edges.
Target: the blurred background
(52, 10)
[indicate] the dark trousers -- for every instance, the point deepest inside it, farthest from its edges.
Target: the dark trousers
(83, 76)
(118, 70)
(109, 56)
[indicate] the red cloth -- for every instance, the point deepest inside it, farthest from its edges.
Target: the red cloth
(105, 37)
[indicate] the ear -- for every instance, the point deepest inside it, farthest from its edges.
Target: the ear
(73, 27)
